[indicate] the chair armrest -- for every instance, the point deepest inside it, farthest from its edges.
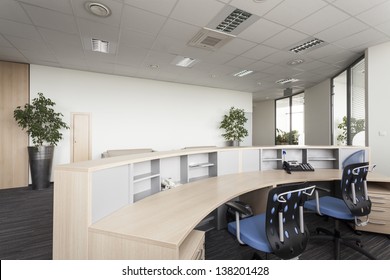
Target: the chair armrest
(238, 207)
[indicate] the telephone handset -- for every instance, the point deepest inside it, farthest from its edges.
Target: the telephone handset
(287, 167)
(167, 184)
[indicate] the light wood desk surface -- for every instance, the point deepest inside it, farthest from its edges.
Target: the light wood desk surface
(167, 218)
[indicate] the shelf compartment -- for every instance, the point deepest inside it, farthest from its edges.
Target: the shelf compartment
(143, 177)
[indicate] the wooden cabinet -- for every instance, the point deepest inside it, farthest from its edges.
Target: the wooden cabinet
(379, 218)
(193, 248)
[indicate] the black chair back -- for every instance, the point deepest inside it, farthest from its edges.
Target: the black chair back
(353, 184)
(285, 209)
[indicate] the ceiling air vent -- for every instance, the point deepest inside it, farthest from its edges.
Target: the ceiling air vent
(210, 39)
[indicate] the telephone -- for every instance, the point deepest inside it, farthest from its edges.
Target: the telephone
(295, 166)
(167, 184)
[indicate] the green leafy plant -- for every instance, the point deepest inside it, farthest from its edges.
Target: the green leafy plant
(357, 125)
(40, 121)
(283, 137)
(233, 124)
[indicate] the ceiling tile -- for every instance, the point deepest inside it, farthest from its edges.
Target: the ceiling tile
(290, 12)
(9, 9)
(26, 44)
(90, 29)
(140, 20)
(199, 12)
(261, 30)
(162, 7)
(320, 20)
(325, 51)
(384, 27)
(259, 9)
(17, 29)
(179, 30)
(137, 39)
(285, 39)
(55, 20)
(342, 30)
(354, 7)
(237, 46)
(61, 40)
(219, 57)
(169, 45)
(281, 57)
(376, 15)
(259, 52)
(63, 6)
(260, 65)
(8, 54)
(360, 38)
(240, 62)
(4, 42)
(131, 56)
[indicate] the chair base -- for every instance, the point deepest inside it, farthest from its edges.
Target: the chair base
(335, 236)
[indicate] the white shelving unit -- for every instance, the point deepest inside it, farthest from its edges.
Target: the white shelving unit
(198, 166)
(144, 179)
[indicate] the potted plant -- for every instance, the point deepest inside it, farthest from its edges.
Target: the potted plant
(43, 125)
(233, 124)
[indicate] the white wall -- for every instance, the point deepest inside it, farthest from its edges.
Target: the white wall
(317, 114)
(264, 123)
(137, 113)
(377, 71)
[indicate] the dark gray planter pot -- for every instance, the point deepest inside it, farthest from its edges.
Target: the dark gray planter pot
(41, 161)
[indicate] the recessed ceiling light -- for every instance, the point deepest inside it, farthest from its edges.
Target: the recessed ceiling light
(153, 66)
(100, 46)
(285, 81)
(259, 1)
(307, 45)
(295, 62)
(98, 9)
(243, 73)
(183, 61)
(233, 20)
(259, 83)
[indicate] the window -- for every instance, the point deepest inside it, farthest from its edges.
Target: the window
(349, 109)
(290, 120)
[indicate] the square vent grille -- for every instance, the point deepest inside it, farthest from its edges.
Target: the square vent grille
(228, 23)
(210, 39)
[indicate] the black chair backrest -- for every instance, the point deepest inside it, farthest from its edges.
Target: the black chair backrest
(356, 173)
(294, 240)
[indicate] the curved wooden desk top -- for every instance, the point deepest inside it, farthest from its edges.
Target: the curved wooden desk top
(168, 217)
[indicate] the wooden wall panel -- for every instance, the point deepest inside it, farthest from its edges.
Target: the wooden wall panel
(14, 91)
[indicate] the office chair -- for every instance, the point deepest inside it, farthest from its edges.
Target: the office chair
(353, 205)
(281, 229)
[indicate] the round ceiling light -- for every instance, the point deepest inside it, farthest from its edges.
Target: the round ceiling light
(98, 9)
(259, 1)
(295, 62)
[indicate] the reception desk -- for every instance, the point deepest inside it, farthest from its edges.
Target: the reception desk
(113, 208)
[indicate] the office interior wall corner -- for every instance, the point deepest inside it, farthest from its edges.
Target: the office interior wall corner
(317, 114)
(378, 93)
(264, 123)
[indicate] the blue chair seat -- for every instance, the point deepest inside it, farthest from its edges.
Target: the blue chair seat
(252, 232)
(331, 206)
